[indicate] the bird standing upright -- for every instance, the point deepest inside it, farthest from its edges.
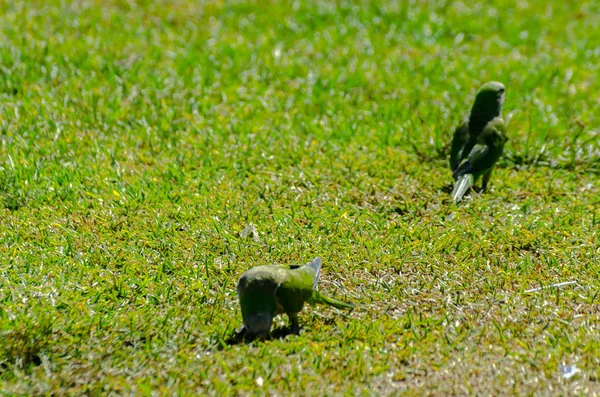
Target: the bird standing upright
(479, 141)
(266, 291)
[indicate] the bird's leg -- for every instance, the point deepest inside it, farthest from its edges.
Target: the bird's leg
(295, 326)
(485, 180)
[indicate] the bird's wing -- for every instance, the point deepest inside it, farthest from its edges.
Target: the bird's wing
(315, 265)
(459, 141)
(294, 290)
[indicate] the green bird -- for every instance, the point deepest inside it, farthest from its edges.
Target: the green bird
(487, 106)
(479, 141)
(266, 291)
(482, 158)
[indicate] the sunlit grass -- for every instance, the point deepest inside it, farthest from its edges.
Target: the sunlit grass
(138, 139)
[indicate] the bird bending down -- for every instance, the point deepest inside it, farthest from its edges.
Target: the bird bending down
(266, 291)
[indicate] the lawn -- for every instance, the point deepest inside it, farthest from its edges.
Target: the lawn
(138, 139)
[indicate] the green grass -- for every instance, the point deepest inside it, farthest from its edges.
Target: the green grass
(138, 138)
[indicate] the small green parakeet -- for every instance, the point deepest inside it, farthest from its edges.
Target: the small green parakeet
(267, 291)
(487, 106)
(482, 158)
(479, 141)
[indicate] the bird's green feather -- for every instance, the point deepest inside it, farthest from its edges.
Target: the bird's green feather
(267, 291)
(475, 153)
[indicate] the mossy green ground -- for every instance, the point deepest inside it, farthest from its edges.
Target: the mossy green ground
(139, 138)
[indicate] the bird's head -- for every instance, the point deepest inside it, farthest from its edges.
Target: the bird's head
(258, 323)
(489, 99)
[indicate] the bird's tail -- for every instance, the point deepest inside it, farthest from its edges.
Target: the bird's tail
(316, 266)
(318, 298)
(462, 185)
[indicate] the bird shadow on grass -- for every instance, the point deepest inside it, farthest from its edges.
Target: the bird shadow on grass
(449, 187)
(241, 336)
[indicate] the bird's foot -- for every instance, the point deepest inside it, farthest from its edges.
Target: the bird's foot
(295, 328)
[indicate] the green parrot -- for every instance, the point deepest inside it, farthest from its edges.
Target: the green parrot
(487, 106)
(482, 158)
(479, 141)
(266, 291)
